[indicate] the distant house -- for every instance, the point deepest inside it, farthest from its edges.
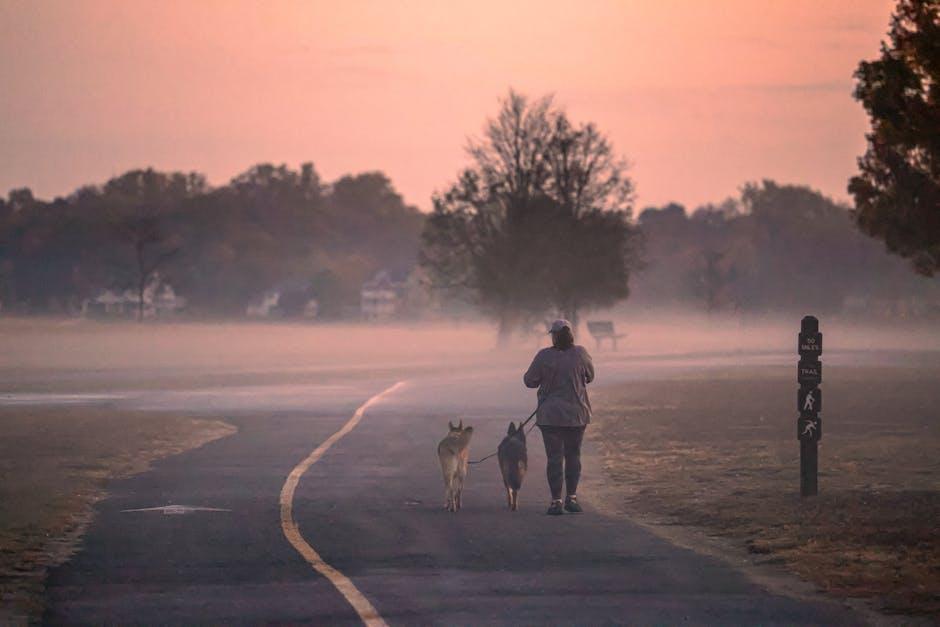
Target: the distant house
(110, 304)
(291, 298)
(380, 297)
(160, 300)
(264, 306)
(165, 302)
(311, 309)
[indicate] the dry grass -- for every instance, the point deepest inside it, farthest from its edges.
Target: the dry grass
(53, 466)
(719, 453)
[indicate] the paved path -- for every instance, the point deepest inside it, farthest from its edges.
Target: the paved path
(371, 507)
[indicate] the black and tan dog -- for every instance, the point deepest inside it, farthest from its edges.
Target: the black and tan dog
(513, 462)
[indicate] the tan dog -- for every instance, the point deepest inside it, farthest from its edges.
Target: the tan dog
(454, 453)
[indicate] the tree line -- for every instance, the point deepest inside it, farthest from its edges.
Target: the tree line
(220, 247)
(774, 248)
(539, 225)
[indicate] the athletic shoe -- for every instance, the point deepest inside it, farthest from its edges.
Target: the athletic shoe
(571, 505)
(555, 509)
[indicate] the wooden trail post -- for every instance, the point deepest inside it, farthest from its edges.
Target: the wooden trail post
(809, 403)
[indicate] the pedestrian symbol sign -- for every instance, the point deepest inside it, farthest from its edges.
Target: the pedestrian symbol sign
(809, 400)
(809, 428)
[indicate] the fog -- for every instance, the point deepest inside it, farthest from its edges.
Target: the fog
(79, 355)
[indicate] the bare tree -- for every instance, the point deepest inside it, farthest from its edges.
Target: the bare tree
(511, 161)
(140, 203)
(584, 171)
(541, 220)
(152, 249)
(596, 244)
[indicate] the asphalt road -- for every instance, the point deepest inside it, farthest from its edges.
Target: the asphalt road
(371, 507)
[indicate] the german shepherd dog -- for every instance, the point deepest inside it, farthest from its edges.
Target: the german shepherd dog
(454, 453)
(513, 462)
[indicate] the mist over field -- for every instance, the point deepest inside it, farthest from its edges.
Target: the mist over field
(68, 353)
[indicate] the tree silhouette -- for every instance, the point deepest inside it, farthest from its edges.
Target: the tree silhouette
(540, 220)
(138, 202)
(897, 191)
(151, 247)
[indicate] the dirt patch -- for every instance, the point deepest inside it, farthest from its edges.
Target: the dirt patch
(54, 463)
(718, 454)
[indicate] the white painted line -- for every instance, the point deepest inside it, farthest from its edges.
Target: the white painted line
(341, 582)
(173, 510)
(58, 399)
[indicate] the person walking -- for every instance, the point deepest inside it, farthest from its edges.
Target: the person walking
(561, 374)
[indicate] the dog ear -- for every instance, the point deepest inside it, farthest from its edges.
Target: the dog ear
(460, 426)
(512, 428)
(451, 425)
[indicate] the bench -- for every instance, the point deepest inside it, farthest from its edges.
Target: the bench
(603, 330)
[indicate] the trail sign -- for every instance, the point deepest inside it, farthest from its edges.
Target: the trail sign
(809, 403)
(809, 345)
(809, 373)
(809, 428)
(809, 400)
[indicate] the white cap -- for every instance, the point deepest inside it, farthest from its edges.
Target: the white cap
(559, 324)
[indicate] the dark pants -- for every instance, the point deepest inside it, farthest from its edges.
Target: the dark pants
(563, 450)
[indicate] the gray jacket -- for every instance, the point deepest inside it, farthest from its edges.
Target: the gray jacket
(562, 378)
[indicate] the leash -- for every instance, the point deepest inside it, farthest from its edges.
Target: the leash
(493, 454)
(531, 416)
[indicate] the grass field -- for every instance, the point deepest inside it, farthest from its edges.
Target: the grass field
(718, 453)
(54, 463)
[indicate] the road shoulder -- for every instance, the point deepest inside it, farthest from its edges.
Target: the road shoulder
(56, 462)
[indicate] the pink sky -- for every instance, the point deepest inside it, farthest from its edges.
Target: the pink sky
(700, 96)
